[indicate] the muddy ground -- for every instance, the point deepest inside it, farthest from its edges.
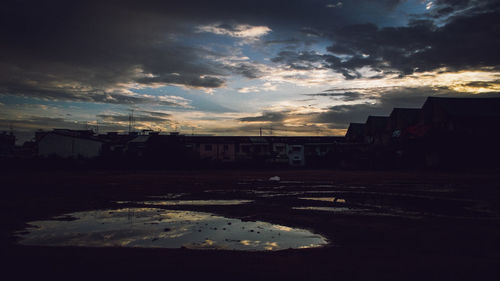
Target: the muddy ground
(413, 225)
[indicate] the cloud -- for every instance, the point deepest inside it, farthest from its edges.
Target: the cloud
(304, 60)
(267, 116)
(453, 7)
(336, 5)
(83, 52)
(136, 118)
(344, 96)
(464, 42)
(246, 69)
(236, 30)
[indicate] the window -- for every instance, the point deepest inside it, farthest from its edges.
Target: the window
(208, 147)
(226, 147)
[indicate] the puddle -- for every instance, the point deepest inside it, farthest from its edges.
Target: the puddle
(269, 194)
(325, 199)
(189, 202)
(329, 209)
(159, 228)
(319, 191)
(169, 196)
(363, 212)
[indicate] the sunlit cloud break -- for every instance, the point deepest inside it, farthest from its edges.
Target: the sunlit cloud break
(238, 31)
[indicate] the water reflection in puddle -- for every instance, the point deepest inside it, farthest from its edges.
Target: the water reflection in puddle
(325, 199)
(152, 227)
(189, 202)
(329, 209)
(363, 212)
(169, 196)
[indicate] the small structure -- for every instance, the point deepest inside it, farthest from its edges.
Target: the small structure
(296, 154)
(137, 146)
(65, 143)
(214, 148)
(7, 144)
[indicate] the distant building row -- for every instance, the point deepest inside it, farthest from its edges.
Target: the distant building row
(445, 132)
(478, 117)
(294, 151)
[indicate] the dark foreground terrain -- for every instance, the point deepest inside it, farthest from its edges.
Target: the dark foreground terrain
(414, 226)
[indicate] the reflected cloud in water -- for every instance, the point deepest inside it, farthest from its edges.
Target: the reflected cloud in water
(188, 202)
(159, 228)
(325, 199)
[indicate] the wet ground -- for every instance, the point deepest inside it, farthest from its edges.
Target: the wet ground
(159, 228)
(332, 225)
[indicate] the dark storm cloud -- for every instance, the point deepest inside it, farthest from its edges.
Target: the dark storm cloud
(157, 114)
(83, 95)
(450, 7)
(469, 39)
(305, 60)
(465, 42)
(188, 80)
(483, 84)
(344, 96)
(62, 50)
(78, 50)
(245, 69)
(267, 116)
(126, 118)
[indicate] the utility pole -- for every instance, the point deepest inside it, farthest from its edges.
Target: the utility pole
(131, 121)
(97, 126)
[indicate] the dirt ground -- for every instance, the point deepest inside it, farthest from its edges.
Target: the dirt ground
(420, 225)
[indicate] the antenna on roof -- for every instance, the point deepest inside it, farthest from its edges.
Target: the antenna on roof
(131, 121)
(96, 125)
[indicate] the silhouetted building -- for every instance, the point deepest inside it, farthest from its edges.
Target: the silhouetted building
(7, 144)
(376, 130)
(401, 119)
(471, 116)
(356, 132)
(66, 143)
(461, 132)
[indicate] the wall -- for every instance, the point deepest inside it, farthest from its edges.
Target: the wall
(68, 147)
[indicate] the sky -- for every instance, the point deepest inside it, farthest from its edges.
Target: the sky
(233, 67)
